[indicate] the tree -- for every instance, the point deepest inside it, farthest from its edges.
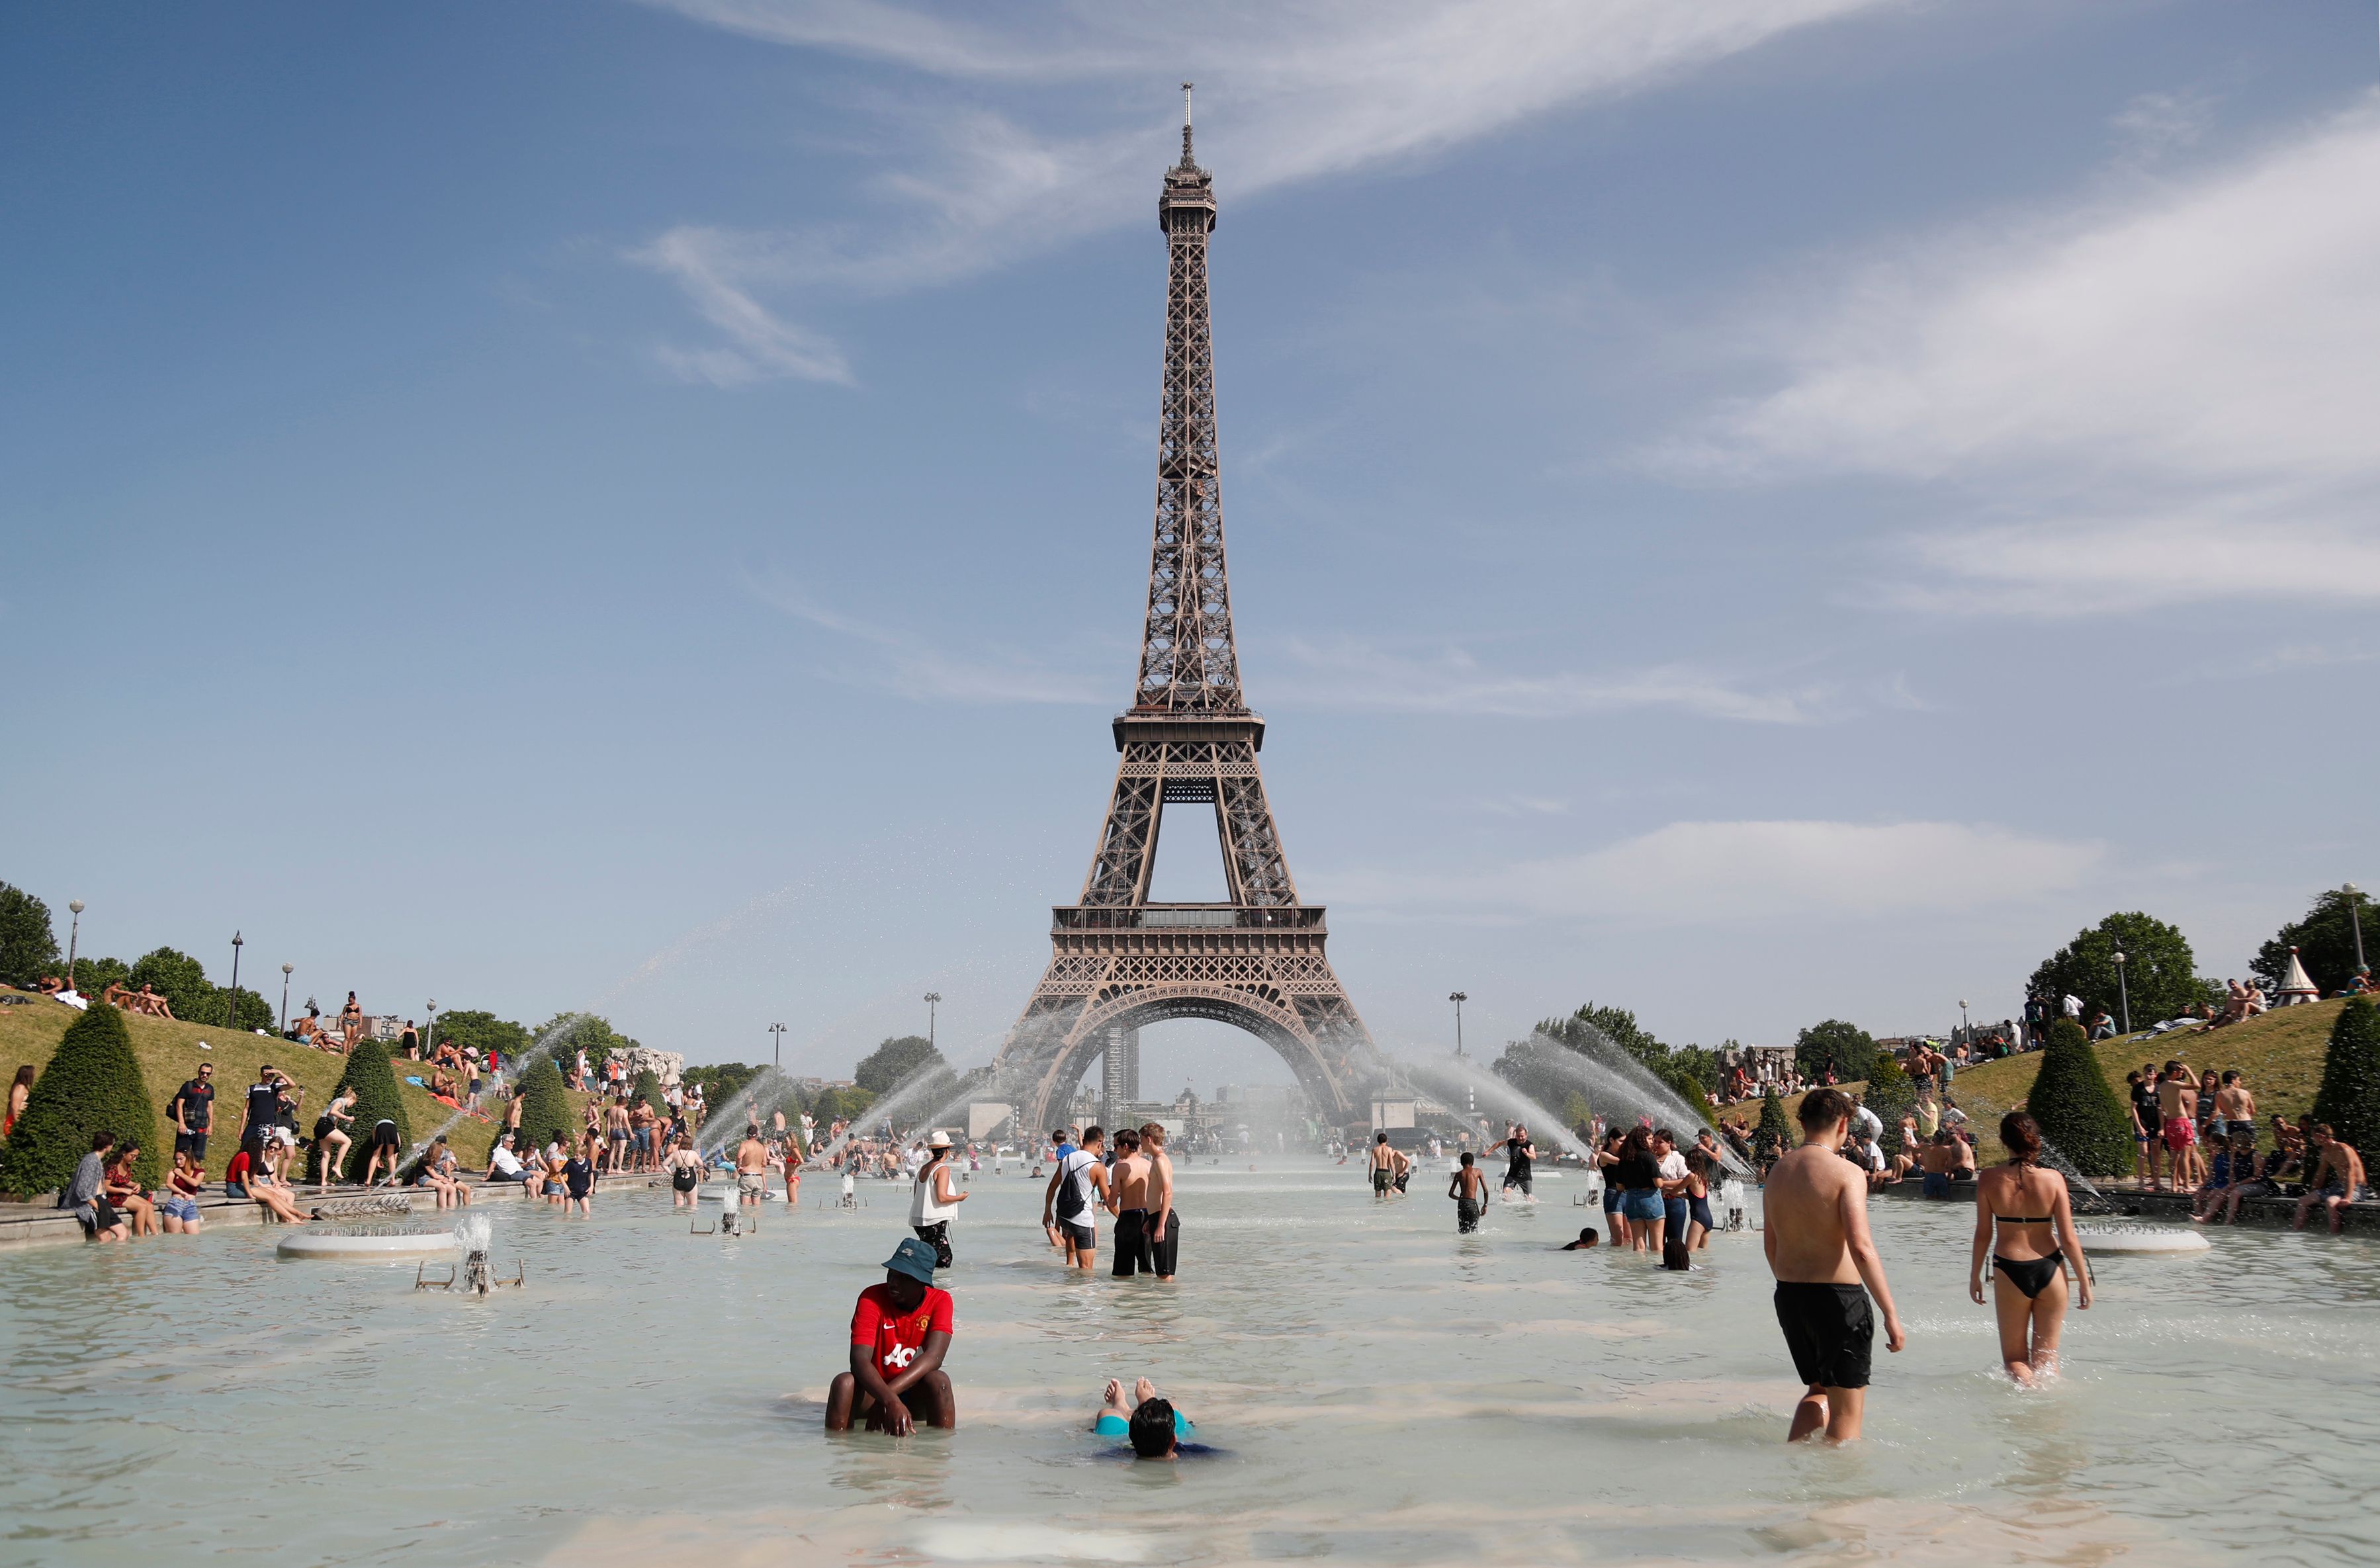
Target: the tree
(2160, 973)
(469, 1028)
(1617, 1025)
(2077, 1107)
(182, 982)
(894, 1063)
(1774, 1135)
(1847, 1048)
(2325, 941)
(93, 975)
(2350, 1097)
(377, 1098)
(545, 1114)
(92, 1085)
(28, 948)
(1577, 1114)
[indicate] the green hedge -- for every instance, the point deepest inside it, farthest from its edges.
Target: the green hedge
(2077, 1107)
(373, 1078)
(545, 1114)
(92, 1084)
(1774, 1135)
(2350, 1097)
(1891, 1096)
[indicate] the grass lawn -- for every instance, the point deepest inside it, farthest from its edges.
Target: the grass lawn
(169, 1054)
(2279, 1053)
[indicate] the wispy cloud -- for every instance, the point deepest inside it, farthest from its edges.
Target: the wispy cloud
(909, 665)
(1697, 872)
(2157, 123)
(1351, 673)
(2165, 398)
(1292, 91)
(760, 344)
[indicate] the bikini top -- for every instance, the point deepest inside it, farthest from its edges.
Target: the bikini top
(2022, 1219)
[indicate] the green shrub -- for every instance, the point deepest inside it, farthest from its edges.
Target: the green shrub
(1774, 1135)
(1847, 1048)
(377, 1097)
(545, 1111)
(649, 1089)
(1891, 1096)
(92, 1084)
(2077, 1107)
(182, 982)
(2350, 1097)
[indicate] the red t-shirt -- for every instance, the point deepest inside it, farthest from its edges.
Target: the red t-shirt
(897, 1337)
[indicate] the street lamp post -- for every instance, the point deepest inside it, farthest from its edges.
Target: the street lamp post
(1458, 998)
(933, 999)
(75, 931)
(777, 1044)
(1962, 1023)
(284, 996)
(430, 1032)
(230, 1008)
(2123, 994)
(2354, 915)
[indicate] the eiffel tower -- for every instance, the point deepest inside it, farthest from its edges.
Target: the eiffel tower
(1119, 962)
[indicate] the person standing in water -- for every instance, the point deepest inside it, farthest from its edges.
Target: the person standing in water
(2025, 1223)
(1069, 1204)
(1819, 1248)
(1164, 1220)
(1469, 1190)
(1128, 1202)
(932, 1202)
(1383, 1166)
(1518, 1152)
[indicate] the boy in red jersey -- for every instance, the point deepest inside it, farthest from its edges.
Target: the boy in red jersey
(900, 1331)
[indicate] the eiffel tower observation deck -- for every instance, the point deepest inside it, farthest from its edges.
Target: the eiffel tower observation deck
(1118, 961)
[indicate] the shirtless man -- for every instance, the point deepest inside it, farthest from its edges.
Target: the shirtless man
(751, 1168)
(2177, 1110)
(1818, 1247)
(1128, 1202)
(1383, 1164)
(2234, 1104)
(2338, 1179)
(1164, 1221)
(1469, 1190)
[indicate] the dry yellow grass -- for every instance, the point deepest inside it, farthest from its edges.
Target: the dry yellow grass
(169, 1052)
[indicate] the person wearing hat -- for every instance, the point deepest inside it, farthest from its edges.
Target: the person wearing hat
(900, 1331)
(933, 1201)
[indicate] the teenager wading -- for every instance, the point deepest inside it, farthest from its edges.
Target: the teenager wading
(1076, 1189)
(1818, 1247)
(932, 1202)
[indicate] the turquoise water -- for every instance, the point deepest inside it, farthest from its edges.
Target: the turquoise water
(1385, 1391)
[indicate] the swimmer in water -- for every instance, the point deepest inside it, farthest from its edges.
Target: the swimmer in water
(1587, 1238)
(1155, 1428)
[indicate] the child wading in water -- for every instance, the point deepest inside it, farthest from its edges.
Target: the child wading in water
(1469, 1190)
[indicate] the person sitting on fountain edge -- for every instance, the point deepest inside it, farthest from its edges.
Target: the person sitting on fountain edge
(900, 1331)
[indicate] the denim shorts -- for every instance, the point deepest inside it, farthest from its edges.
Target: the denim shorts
(1645, 1206)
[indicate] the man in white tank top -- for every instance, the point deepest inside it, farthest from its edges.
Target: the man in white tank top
(933, 1201)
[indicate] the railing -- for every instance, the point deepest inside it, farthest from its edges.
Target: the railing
(1208, 917)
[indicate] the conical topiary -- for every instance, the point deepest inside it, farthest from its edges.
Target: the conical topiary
(92, 1084)
(1774, 1135)
(377, 1097)
(1891, 1096)
(545, 1107)
(649, 1090)
(2076, 1106)
(2350, 1097)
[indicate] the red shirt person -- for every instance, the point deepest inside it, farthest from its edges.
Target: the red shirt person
(900, 1331)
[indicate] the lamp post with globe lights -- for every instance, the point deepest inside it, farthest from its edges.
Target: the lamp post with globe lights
(285, 970)
(430, 1033)
(2123, 993)
(777, 1045)
(933, 999)
(73, 932)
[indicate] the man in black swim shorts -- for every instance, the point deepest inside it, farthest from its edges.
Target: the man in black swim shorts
(1820, 1248)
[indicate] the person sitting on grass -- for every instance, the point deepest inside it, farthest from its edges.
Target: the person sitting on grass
(2337, 1180)
(900, 1335)
(1152, 1425)
(146, 999)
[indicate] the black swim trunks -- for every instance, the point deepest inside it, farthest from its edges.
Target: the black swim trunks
(1131, 1252)
(1466, 1215)
(1829, 1329)
(1165, 1251)
(1379, 1178)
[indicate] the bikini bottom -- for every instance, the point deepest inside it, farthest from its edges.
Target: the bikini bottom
(2031, 1275)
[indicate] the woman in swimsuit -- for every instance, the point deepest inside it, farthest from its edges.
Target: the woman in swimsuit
(331, 1139)
(2025, 1224)
(1701, 1170)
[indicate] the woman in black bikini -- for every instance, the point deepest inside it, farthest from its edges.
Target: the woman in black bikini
(2024, 1224)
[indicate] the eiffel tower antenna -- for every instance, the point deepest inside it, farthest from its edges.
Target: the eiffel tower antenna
(1189, 738)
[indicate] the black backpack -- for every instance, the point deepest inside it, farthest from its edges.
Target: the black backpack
(1070, 1185)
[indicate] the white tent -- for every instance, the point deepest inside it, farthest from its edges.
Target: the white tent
(2295, 986)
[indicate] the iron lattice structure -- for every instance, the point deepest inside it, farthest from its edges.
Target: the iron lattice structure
(1256, 960)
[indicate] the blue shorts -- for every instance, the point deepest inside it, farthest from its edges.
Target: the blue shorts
(1673, 1209)
(1938, 1184)
(1647, 1207)
(178, 1207)
(1611, 1196)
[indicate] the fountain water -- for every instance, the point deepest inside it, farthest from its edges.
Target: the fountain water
(722, 1125)
(1614, 1081)
(901, 1107)
(1448, 1077)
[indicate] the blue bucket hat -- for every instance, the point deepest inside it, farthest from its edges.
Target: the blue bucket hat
(914, 1259)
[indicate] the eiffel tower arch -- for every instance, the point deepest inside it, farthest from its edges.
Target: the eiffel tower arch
(1118, 961)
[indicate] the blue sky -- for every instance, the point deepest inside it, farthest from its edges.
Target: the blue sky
(1751, 511)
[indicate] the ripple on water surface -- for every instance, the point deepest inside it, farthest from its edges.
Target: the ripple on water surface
(1382, 1391)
